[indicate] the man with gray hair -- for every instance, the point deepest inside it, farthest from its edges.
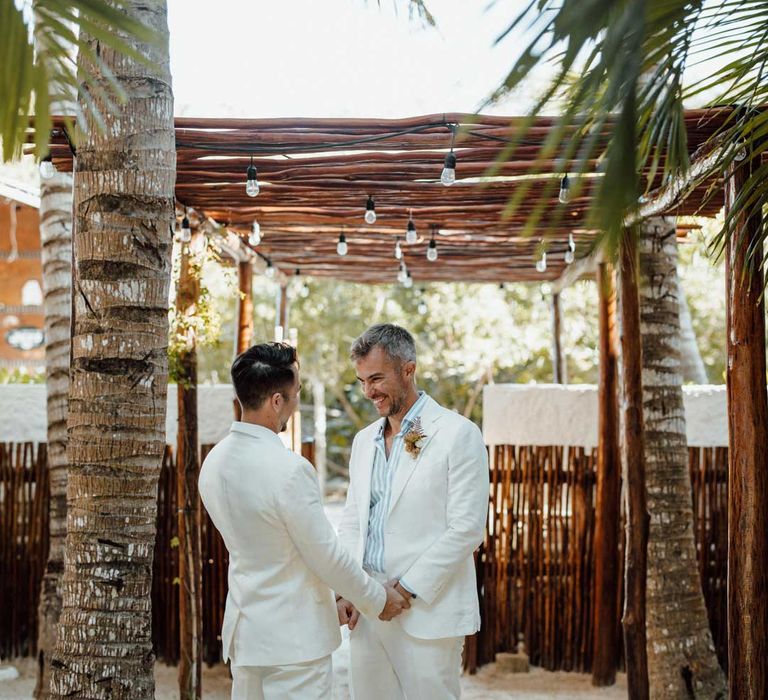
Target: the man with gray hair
(416, 510)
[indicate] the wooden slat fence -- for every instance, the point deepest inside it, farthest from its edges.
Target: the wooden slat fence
(535, 569)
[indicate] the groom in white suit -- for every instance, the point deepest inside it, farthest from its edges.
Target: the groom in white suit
(416, 510)
(280, 623)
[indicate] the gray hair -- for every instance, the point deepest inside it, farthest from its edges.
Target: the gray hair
(397, 342)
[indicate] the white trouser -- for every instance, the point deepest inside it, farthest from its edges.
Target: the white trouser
(388, 664)
(312, 680)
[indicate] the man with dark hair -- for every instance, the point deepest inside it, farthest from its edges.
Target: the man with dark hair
(280, 624)
(416, 510)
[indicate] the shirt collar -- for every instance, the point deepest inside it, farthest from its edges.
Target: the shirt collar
(254, 430)
(408, 419)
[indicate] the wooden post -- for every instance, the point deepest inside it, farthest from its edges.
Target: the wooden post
(634, 478)
(244, 306)
(560, 375)
(747, 450)
(281, 320)
(608, 497)
(187, 471)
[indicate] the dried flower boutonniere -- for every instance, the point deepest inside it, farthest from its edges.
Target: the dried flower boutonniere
(414, 439)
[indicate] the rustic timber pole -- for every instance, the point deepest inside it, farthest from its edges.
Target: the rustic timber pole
(559, 372)
(747, 449)
(608, 496)
(244, 306)
(637, 512)
(187, 471)
(281, 320)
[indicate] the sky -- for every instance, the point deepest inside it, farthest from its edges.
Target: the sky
(339, 58)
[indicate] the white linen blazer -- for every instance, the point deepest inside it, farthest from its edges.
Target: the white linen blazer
(437, 514)
(284, 557)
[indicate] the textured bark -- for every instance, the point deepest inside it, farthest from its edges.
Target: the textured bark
(747, 451)
(56, 250)
(187, 472)
(635, 570)
(691, 364)
(681, 653)
(608, 491)
(559, 372)
(124, 210)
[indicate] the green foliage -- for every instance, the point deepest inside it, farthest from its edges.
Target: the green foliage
(621, 68)
(37, 69)
(20, 376)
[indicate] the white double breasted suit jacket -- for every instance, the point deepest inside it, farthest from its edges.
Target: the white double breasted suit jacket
(437, 514)
(284, 557)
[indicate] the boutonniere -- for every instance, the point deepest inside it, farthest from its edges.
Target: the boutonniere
(414, 439)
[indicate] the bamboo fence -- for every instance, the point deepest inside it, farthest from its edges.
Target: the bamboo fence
(535, 568)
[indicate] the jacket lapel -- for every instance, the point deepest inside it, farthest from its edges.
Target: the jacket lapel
(363, 479)
(430, 417)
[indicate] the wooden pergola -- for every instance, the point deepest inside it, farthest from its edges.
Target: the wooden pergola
(316, 176)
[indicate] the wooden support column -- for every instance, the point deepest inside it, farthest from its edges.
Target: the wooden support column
(608, 497)
(244, 306)
(747, 450)
(187, 472)
(636, 566)
(281, 320)
(559, 372)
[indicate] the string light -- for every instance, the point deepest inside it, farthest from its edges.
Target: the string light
(410, 232)
(304, 289)
(341, 246)
(402, 273)
(370, 211)
(254, 238)
(408, 280)
(186, 229)
(251, 180)
(565, 186)
(47, 168)
(448, 176)
(422, 307)
(398, 249)
(541, 263)
(270, 271)
(570, 254)
(432, 248)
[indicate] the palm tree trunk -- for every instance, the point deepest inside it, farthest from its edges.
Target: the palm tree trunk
(681, 654)
(56, 245)
(124, 208)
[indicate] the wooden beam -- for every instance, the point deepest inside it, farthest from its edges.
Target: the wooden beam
(637, 512)
(579, 269)
(747, 450)
(559, 370)
(608, 491)
(187, 472)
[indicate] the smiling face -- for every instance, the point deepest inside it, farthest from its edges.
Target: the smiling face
(386, 382)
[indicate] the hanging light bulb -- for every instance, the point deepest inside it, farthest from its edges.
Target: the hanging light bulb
(432, 250)
(186, 230)
(410, 232)
(565, 186)
(370, 211)
(47, 168)
(448, 176)
(570, 254)
(541, 263)
(402, 273)
(270, 271)
(422, 308)
(254, 238)
(341, 246)
(251, 180)
(398, 249)
(408, 280)
(304, 291)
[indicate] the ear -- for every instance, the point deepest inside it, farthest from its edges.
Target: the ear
(276, 401)
(409, 369)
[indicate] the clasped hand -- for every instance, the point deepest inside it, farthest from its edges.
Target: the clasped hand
(398, 599)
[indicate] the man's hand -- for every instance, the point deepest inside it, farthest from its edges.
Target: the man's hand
(395, 604)
(400, 589)
(348, 613)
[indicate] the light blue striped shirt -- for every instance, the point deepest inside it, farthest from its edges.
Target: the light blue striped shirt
(381, 486)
